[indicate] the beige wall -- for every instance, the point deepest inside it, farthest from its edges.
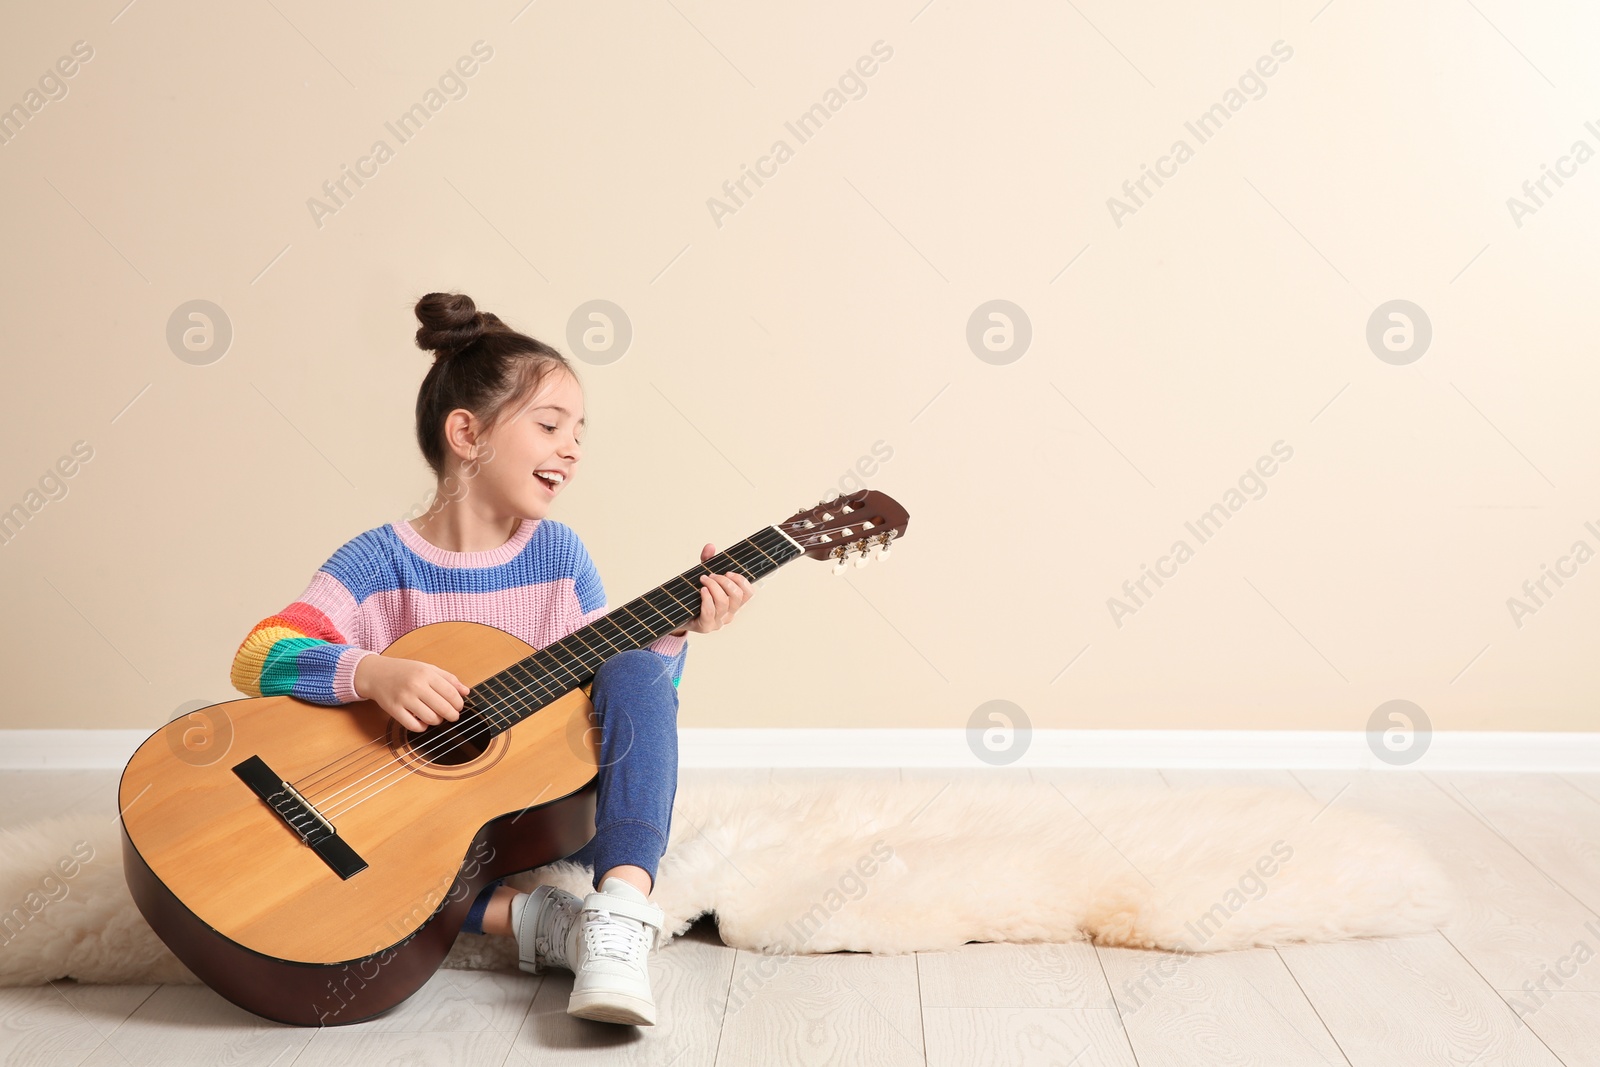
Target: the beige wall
(825, 316)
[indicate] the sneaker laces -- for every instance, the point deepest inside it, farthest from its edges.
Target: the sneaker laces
(550, 942)
(612, 936)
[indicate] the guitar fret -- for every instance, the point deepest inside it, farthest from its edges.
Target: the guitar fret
(641, 623)
(496, 691)
(577, 636)
(658, 611)
(561, 666)
(553, 652)
(494, 716)
(552, 667)
(610, 620)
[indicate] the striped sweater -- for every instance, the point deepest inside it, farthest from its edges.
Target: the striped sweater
(539, 586)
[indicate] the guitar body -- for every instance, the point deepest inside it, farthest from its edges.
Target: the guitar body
(269, 922)
(314, 864)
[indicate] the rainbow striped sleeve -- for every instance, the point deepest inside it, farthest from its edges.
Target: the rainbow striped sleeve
(305, 650)
(591, 595)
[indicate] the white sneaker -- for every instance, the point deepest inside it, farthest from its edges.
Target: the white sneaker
(546, 926)
(619, 928)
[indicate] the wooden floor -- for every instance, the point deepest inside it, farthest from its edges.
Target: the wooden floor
(1527, 847)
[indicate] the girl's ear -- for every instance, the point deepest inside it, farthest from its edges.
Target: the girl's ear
(462, 434)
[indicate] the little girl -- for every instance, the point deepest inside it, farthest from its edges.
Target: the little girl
(500, 421)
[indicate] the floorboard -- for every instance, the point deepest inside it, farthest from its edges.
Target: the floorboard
(1504, 983)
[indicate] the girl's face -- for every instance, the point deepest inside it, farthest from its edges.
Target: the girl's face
(537, 448)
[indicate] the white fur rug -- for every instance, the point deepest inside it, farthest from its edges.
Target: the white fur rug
(839, 863)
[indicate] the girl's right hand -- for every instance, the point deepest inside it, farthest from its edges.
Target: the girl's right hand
(415, 694)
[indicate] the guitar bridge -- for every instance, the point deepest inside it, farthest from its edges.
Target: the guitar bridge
(301, 816)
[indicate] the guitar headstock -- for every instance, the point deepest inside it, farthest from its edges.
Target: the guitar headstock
(863, 523)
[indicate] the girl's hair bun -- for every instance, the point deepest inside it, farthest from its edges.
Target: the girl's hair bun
(482, 365)
(450, 322)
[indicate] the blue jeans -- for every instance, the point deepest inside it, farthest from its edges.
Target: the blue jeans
(636, 708)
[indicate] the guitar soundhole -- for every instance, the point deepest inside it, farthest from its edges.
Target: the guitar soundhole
(451, 744)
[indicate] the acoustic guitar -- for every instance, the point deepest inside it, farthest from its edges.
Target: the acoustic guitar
(314, 864)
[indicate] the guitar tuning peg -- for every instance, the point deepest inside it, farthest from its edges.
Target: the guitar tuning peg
(840, 565)
(860, 559)
(880, 552)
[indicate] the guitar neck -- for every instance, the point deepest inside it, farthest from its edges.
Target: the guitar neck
(513, 694)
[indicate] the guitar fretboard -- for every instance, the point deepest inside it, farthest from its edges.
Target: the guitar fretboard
(506, 698)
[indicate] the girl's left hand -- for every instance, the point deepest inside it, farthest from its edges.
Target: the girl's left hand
(721, 595)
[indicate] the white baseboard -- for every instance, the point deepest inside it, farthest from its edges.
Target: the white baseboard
(733, 748)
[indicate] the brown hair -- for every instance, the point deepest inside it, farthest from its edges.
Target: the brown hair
(480, 364)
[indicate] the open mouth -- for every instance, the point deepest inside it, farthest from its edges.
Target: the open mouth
(551, 480)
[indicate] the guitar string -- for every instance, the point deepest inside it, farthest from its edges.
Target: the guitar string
(501, 702)
(518, 705)
(496, 710)
(394, 776)
(483, 701)
(492, 705)
(306, 783)
(449, 737)
(500, 698)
